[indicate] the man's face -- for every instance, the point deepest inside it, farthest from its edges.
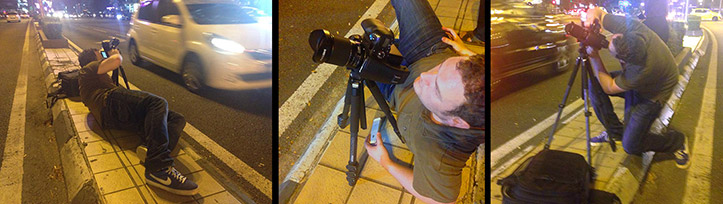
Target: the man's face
(441, 89)
(612, 49)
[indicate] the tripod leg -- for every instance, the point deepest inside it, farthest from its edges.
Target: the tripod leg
(385, 107)
(362, 108)
(584, 80)
(356, 101)
(343, 118)
(561, 106)
(586, 90)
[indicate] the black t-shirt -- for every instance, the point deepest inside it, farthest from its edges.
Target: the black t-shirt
(94, 88)
(440, 152)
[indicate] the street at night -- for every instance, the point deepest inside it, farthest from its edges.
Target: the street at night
(225, 146)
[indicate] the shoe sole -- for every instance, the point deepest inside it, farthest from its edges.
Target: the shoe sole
(595, 144)
(685, 145)
(171, 190)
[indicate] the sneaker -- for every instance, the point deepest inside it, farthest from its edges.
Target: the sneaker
(681, 156)
(603, 138)
(171, 180)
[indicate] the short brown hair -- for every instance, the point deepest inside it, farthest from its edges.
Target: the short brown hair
(473, 77)
(87, 56)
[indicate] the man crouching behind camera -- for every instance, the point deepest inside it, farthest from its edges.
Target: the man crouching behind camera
(440, 106)
(119, 108)
(646, 81)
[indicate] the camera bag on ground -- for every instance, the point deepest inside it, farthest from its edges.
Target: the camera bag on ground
(69, 87)
(550, 176)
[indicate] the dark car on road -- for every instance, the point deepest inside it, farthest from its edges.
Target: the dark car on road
(526, 37)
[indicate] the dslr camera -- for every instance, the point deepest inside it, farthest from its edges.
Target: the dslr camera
(369, 56)
(588, 36)
(108, 45)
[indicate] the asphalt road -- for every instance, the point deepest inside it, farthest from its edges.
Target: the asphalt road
(239, 121)
(42, 170)
(538, 93)
(297, 19)
(665, 182)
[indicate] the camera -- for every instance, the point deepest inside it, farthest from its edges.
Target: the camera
(108, 45)
(589, 37)
(369, 56)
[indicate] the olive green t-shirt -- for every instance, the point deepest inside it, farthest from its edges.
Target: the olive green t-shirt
(440, 152)
(94, 88)
(655, 79)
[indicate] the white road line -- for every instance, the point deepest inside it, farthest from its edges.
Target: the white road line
(321, 138)
(11, 172)
(699, 174)
(299, 99)
(252, 176)
(523, 137)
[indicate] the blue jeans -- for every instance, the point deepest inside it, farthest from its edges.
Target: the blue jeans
(640, 113)
(142, 111)
(420, 34)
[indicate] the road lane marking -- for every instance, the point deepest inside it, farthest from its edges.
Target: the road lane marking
(299, 99)
(321, 138)
(523, 137)
(11, 172)
(699, 174)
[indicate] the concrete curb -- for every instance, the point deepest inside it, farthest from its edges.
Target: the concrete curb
(632, 172)
(80, 183)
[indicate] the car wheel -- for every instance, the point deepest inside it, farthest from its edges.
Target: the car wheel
(192, 75)
(715, 18)
(135, 55)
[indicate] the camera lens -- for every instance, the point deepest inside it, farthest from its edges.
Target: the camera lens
(329, 48)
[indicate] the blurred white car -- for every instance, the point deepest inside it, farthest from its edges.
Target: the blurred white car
(706, 14)
(209, 42)
(24, 15)
(13, 16)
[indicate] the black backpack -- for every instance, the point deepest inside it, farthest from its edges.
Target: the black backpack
(550, 176)
(69, 86)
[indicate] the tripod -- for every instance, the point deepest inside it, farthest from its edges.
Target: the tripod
(583, 62)
(354, 102)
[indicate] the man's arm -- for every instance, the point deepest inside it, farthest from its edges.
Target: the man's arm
(111, 63)
(457, 43)
(402, 174)
(606, 81)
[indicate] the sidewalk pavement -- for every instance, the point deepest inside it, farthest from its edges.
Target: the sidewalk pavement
(327, 181)
(115, 170)
(616, 172)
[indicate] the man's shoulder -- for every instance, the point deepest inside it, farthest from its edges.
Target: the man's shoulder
(90, 68)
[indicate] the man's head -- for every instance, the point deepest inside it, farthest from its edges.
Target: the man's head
(629, 48)
(88, 56)
(454, 91)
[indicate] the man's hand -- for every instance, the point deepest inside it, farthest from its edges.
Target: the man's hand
(592, 52)
(113, 52)
(593, 14)
(378, 152)
(456, 43)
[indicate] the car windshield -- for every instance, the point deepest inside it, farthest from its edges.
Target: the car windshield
(219, 14)
(700, 11)
(12, 13)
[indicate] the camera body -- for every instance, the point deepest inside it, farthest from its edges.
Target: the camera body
(588, 37)
(369, 56)
(108, 45)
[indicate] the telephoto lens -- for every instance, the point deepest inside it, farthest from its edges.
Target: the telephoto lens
(589, 37)
(329, 48)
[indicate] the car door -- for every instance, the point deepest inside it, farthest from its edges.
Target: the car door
(146, 30)
(168, 38)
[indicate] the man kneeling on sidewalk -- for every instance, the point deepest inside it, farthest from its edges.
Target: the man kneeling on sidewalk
(118, 108)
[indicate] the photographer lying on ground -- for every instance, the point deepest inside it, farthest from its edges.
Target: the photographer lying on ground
(120, 108)
(646, 81)
(440, 107)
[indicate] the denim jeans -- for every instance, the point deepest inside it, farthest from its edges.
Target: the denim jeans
(144, 112)
(420, 34)
(640, 113)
